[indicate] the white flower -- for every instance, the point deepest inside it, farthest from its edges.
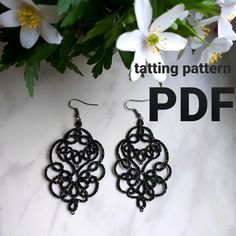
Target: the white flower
(202, 30)
(148, 41)
(228, 13)
(183, 15)
(198, 15)
(212, 53)
(33, 19)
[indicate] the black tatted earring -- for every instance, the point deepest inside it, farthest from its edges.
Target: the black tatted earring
(75, 167)
(141, 172)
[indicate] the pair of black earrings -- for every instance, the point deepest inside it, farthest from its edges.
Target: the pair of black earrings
(76, 168)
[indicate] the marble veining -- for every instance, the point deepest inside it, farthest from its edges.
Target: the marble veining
(201, 196)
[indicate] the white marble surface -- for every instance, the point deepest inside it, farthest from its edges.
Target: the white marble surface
(201, 198)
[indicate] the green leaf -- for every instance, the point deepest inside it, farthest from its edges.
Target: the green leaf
(57, 62)
(63, 6)
(42, 52)
(158, 7)
(98, 56)
(69, 40)
(87, 47)
(30, 76)
(127, 58)
(75, 2)
(71, 17)
(95, 11)
(74, 14)
(107, 59)
(8, 56)
(101, 27)
(102, 59)
(112, 35)
(70, 65)
(3, 67)
(97, 69)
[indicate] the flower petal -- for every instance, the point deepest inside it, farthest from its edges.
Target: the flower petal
(143, 12)
(164, 21)
(229, 2)
(171, 42)
(198, 15)
(220, 2)
(49, 13)
(49, 33)
(130, 41)
(155, 58)
(207, 21)
(228, 10)
(12, 4)
(200, 32)
(140, 60)
(29, 3)
(205, 56)
(195, 42)
(9, 19)
(225, 29)
(183, 15)
(28, 38)
(220, 45)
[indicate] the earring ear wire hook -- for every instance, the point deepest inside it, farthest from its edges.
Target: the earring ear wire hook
(135, 111)
(77, 114)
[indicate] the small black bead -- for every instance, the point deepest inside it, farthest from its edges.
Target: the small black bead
(140, 122)
(78, 124)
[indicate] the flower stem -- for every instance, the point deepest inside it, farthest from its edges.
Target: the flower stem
(195, 34)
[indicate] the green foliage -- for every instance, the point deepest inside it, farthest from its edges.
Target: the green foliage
(73, 15)
(101, 27)
(31, 75)
(63, 6)
(206, 7)
(127, 58)
(102, 58)
(87, 11)
(89, 28)
(158, 7)
(42, 52)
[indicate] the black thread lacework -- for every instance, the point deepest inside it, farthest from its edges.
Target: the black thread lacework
(75, 167)
(138, 169)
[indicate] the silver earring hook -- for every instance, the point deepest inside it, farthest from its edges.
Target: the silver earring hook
(77, 114)
(137, 114)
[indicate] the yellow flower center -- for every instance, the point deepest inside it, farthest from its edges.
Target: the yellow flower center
(205, 30)
(215, 57)
(28, 18)
(230, 17)
(151, 41)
